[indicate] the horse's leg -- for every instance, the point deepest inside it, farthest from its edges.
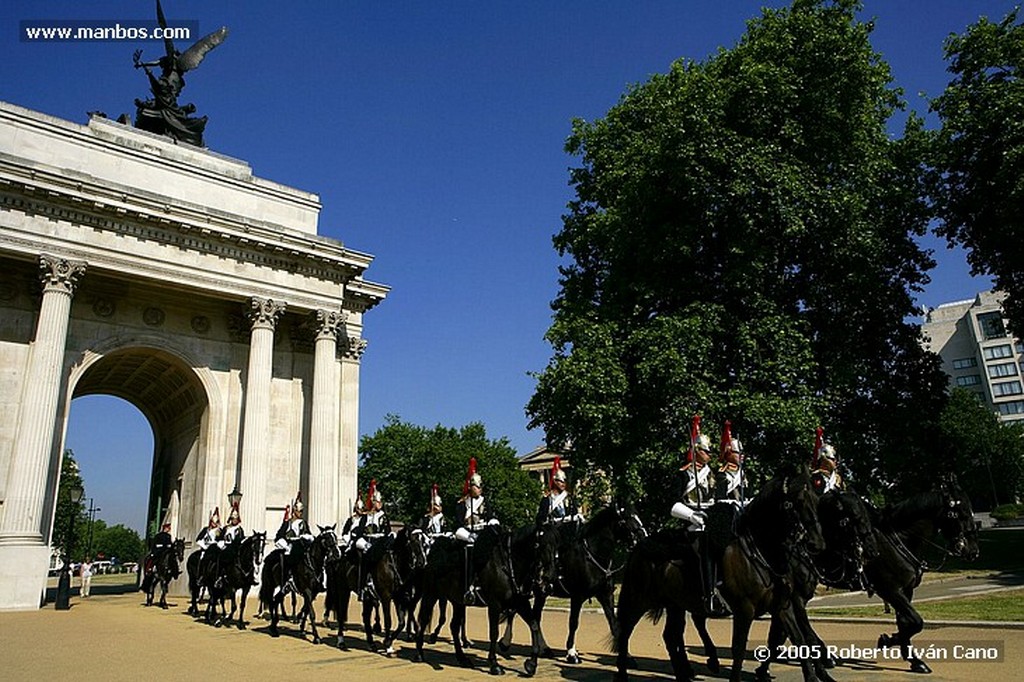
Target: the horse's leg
(672, 636)
(493, 615)
(308, 597)
(822, 661)
(629, 612)
(538, 611)
(776, 638)
(742, 618)
(426, 613)
(710, 650)
(241, 605)
(908, 622)
(789, 621)
(457, 626)
(536, 639)
(276, 605)
(506, 639)
(367, 628)
(442, 608)
(388, 636)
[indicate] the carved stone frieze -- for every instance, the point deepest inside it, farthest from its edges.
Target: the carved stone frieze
(153, 316)
(200, 324)
(103, 307)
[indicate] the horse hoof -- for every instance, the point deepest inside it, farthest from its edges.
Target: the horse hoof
(572, 658)
(919, 666)
(275, 633)
(762, 675)
(464, 661)
(504, 648)
(714, 666)
(316, 640)
(531, 667)
(831, 662)
(342, 646)
(241, 626)
(417, 657)
(884, 640)
(466, 642)
(497, 669)
(432, 639)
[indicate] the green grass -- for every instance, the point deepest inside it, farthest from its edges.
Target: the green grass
(1007, 605)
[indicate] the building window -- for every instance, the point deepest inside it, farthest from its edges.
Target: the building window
(1007, 388)
(969, 380)
(1003, 369)
(997, 352)
(991, 325)
(1012, 407)
(965, 363)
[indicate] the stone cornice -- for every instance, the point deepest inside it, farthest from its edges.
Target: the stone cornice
(180, 226)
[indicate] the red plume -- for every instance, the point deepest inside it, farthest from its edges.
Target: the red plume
(433, 494)
(287, 513)
(726, 436)
(694, 435)
(555, 466)
(369, 494)
(469, 475)
(816, 458)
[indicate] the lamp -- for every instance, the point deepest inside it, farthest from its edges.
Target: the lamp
(63, 601)
(235, 496)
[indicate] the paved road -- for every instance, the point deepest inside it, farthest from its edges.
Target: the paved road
(113, 638)
(931, 590)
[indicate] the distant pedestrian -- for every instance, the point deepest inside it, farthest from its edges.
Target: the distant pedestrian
(86, 576)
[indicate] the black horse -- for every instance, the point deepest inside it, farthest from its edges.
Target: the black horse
(586, 563)
(195, 586)
(507, 569)
(849, 542)
(388, 565)
(238, 568)
(166, 567)
(663, 575)
(902, 531)
(299, 572)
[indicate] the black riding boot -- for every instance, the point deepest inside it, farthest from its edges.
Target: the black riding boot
(471, 597)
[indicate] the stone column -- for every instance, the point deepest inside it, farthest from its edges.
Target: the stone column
(352, 352)
(24, 515)
(263, 313)
(323, 444)
(34, 470)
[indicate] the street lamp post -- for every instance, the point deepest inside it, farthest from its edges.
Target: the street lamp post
(234, 497)
(63, 602)
(92, 519)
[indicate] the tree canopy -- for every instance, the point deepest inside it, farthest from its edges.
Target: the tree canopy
(406, 460)
(741, 245)
(67, 519)
(979, 183)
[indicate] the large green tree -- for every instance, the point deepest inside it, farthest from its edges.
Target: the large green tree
(116, 542)
(742, 245)
(987, 454)
(406, 460)
(979, 186)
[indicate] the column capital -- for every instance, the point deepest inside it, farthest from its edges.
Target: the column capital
(328, 323)
(264, 312)
(353, 347)
(59, 274)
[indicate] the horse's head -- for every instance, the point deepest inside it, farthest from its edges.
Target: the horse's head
(956, 519)
(545, 549)
(628, 526)
(846, 526)
(799, 506)
(179, 549)
(257, 541)
(326, 543)
(419, 545)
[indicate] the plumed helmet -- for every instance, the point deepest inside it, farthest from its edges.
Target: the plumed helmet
(358, 506)
(165, 526)
(472, 477)
(435, 498)
(215, 517)
(235, 515)
(703, 442)
(557, 473)
(735, 445)
(828, 451)
(371, 493)
(476, 480)
(376, 495)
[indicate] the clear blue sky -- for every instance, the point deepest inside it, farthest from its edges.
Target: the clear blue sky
(433, 132)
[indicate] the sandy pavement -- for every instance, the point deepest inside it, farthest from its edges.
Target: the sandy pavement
(114, 637)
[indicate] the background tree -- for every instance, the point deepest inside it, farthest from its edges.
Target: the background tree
(987, 454)
(741, 245)
(118, 542)
(406, 460)
(979, 185)
(66, 509)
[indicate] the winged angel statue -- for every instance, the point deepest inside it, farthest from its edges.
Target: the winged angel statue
(162, 114)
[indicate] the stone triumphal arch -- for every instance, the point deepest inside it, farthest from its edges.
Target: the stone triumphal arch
(171, 277)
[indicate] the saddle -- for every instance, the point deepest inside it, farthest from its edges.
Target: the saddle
(721, 526)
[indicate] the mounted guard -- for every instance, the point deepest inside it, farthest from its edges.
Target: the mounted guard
(433, 522)
(472, 515)
(731, 483)
(825, 466)
(352, 522)
(294, 533)
(207, 538)
(373, 530)
(558, 505)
